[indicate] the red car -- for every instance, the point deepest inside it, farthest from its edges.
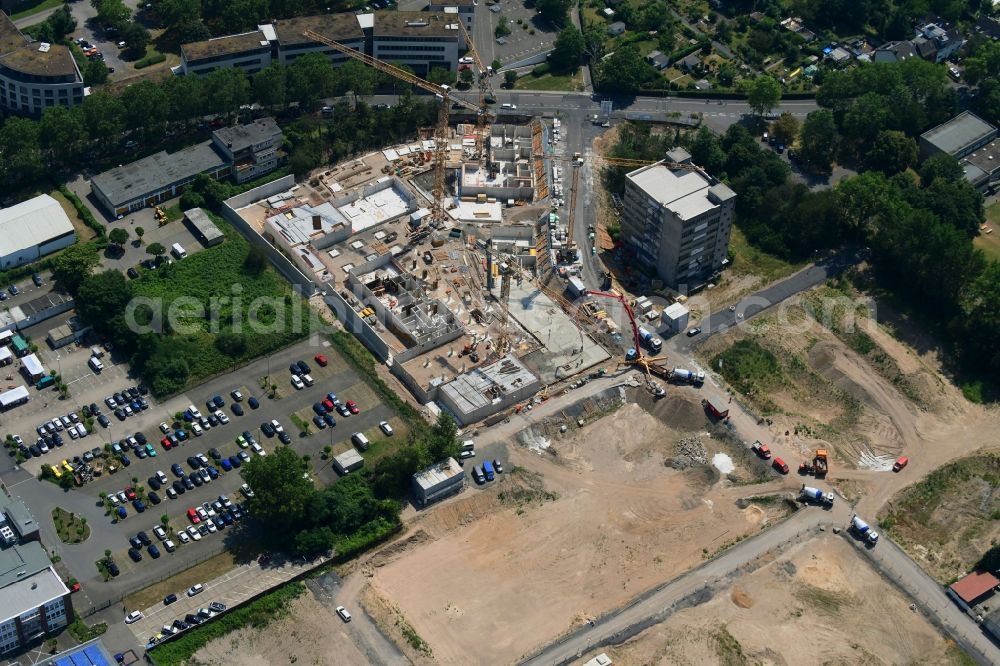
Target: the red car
(193, 516)
(321, 360)
(129, 493)
(328, 404)
(166, 443)
(74, 588)
(352, 407)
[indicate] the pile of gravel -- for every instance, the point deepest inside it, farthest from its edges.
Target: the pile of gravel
(689, 451)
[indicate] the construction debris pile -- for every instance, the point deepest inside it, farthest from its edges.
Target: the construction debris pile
(689, 452)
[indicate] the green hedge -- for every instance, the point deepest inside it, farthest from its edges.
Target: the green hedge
(151, 59)
(258, 613)
(365, 538)
(84, 212)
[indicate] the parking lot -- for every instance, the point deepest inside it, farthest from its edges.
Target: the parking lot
(167, 235)
(520, 43)
(336, 377)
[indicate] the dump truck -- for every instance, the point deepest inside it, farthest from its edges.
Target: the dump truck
(863, 530)
(816, 495)
(685, 376)
(820, 465)
(761, 449)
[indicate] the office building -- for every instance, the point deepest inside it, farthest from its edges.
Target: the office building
(35, 75)
(250, 51)
(677, 221)
(253, 149)
(973, 142)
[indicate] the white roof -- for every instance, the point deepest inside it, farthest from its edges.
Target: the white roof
(5, 354)
(13, 395)
(31, 223)
(675, 311)
(33, 365)
(30, 592)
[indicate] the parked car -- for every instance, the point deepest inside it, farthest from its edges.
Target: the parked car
(386, 428)
(343, 613)
(195, 589)
(134, 616)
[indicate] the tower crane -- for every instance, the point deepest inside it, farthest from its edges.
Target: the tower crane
(440, 131)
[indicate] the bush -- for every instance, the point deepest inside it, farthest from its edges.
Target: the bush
(748, 366)
(151, 59)
(84, 212)
(541, 70)
(367, 536)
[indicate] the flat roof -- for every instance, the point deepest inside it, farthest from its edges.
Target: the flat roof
(29, 592)
(986, 158)
(415, 24)
(38, 60)
(228, 45)
(338, 27)
(17, 511)
(204, 224)
(483, 385)
(675, 311)
(386, 204)
(30, 223)
(10, 37)
(297, 224)
(20, 561)
(975, 585)
(241, 137)
(438, 473)
(955, 135)
(682, 191)
(156, 172)
(348, 458)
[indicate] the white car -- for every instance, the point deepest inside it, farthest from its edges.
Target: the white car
(134, 616)
(195, 589)
(212, 529)
(344, 615)
(245, 489)
(297, 383)
(237, 395)
(226, 502)
(128, 410)
(164, 428)
(221, 415)
(258, 449)
(277, 426)
(202, 513)
(72, 433)
(194, 411)
(197, 430)
(161, 477)
(114, 499)
(466, 60)
(308, 380)
(205, 423)
(169, 545)
(203, 459)
(386, 428)
(160, 533)
(194, 533)
(183, 537)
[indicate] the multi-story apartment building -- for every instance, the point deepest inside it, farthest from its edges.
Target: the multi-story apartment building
(252, 150)
(421, 40)
(35, 75)
(677, 221)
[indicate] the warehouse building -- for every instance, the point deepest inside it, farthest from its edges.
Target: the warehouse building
(32, 229)
(438, 481)
(488, 389)
(348, 461)
(35, 76)
(677, 221)
(203, 227)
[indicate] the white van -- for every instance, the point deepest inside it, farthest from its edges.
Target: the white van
(95, 364)
(360, 441)
(97, 351)
(178, 250)
(509, 107)
(81, 430)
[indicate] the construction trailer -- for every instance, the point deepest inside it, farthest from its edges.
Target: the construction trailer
(716, 408)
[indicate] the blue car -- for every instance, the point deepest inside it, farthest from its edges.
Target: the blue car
(330, 421)
(181, 435)
(122, 513)
(235, 462)
(226, 465)
(252, 401)
(212, 472)
(177, 470)
(219, 402)
(219, 522)
(188, 416)
(320, 423)
(125, 461)
(227, 518)
(139, 506)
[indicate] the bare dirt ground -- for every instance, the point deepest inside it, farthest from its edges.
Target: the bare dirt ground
(310, 635)
(565, 536)
(819, 603)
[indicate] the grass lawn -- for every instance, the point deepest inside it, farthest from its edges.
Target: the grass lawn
(750, 260)
(990, 243)
(551, 82)
(208, 570)
(35, 7)
(70, 527)
(83, 232)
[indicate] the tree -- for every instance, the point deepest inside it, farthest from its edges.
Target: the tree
(231, 343)
(567, 50)
(510, 78)
(136, 37)
(95, 72)
(819, 139)
(176, 12)
(441, 76)
(940, 166)
(20, 155)
(496, 65)
(146, 107)
(118, 236)
(443, 440)
(310, 78)
(785, 129)
(281, 493)
(466, 76)
(62, 131)
(102, 297)
(112, 13)
(72, 266)
(228, 89)
(139, 233)
(269, 86)
(255, 262)
(356, 77)
(553, 10)
(594, 35)
(706, 152)
(763, 94)
(892, 152)
(156, 249)
(626, 71)
(502, 28)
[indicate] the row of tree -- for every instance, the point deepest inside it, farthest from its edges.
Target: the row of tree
(296, 516)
